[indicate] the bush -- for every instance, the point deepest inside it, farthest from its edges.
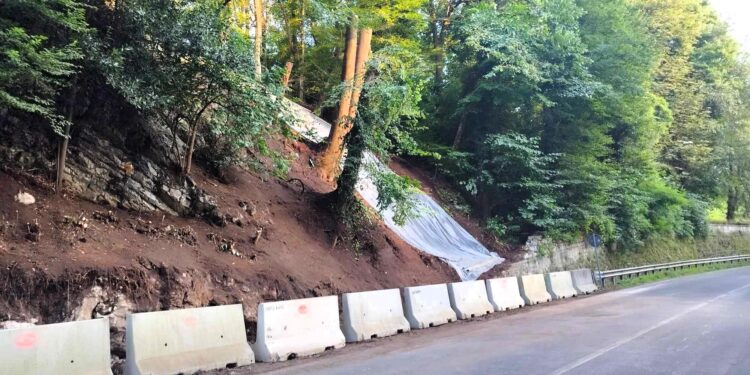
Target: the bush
(183, 63)
(40, 49)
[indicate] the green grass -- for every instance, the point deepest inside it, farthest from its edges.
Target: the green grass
(665, 249)
(670, 274)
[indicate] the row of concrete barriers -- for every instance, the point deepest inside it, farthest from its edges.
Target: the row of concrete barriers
(190, 340)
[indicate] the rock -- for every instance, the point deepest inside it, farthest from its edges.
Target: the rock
(25, 198)
(150, 171)
(174, 199)
(85, 310)
(236, 220)
(249, 207)
(127, 168)
(100, 303)
(11, 324)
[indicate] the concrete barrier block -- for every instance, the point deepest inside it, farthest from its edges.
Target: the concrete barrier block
(72, 348)
(469, 299)
(504, 293)
(186, 341)
(560, 285)
(428, 306)
(297, 328)
(533, 289)
(583, 281)
(377, 313)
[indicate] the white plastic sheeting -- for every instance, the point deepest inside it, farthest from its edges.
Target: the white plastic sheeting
(433, 231)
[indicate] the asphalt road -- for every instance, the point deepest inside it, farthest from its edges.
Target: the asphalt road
(692, 325)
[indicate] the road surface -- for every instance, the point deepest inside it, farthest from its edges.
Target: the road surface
(692, 325)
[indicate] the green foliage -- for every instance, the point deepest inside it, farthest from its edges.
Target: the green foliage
(183, 63)
(386, 117)
(730, 164)
(666, 249)
(561, 115)
(311, 32)
(454, 202)
(39, 51)
(496, 226)
(397, 193)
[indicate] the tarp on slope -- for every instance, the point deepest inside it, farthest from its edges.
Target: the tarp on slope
(433, 231)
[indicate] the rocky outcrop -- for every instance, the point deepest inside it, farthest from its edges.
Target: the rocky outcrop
(132, 166)
(103, 303)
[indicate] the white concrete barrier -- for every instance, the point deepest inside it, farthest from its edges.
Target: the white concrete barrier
(73, 348)
(469, 299)
(504, 293)
(297, 328)
(533, 289)
(377, 313)
(428, 306)
(560, 285)
(583, 281)
(186, 341)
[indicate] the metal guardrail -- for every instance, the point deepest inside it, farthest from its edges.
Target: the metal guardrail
(623, 273)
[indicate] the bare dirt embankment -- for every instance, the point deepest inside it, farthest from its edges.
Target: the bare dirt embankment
(63, 258)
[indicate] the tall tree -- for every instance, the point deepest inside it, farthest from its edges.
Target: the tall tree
(41, 50)
(677, 26)
(259, 25)
(187, 67)
(353, 79)
(441, 13)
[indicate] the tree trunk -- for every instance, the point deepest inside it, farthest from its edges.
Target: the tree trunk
(287, 74)
(350, 174)
(438, 45)
(301, 88)
(301, 60)
(62, 151)
(189, 154)
(732, 200)
(363, 54)
(329, 159)
(344, 197)
(258, 39)
(460, 130)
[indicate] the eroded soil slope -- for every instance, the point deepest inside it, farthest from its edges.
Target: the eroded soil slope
(54, 251)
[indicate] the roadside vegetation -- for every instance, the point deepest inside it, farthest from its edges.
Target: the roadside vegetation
(671, 274)
(663, 250)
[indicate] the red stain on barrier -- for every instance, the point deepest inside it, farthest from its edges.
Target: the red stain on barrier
(26, 340)
(302, 309)
(190, 321)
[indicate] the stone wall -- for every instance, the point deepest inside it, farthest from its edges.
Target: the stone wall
(729, 228)
(546, 256)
